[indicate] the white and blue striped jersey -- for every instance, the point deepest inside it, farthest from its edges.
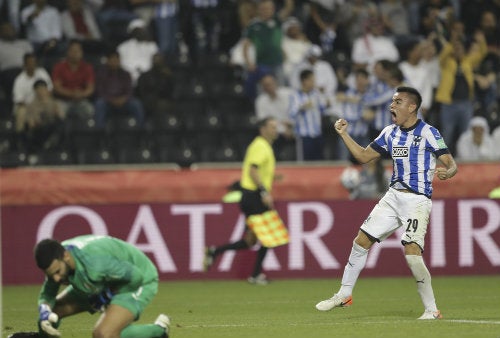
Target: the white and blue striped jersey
(307, 122)
(353, 113)
(379, 98)
(414, 152)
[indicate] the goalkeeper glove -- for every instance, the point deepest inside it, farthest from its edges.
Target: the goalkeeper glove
(100, 301)
(47, 319)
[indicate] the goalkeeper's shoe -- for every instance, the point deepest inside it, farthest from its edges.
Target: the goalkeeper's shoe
(209, 258)
(164, 322)
(431, 315)
(335, 301)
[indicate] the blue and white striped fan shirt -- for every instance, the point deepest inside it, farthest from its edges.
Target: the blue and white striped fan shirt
(307, 122)
(414, 152)
(352, 113)
(379, 98)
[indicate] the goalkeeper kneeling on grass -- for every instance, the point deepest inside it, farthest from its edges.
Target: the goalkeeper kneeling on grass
(103, 274)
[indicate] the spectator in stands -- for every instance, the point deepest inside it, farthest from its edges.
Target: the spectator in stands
(12, 7)
(206, 27)
(247, 11)
(155, 87)
(351, 108)
(144, 9)
(394, 17)
(111, 13)
(137, 52)
(78, 22)
(43, 27)
(455, 92)
(321, 28)
(12, 48)
(485, 80)
(114, 93)
(74, 82)
(23, 90)
(307, 109)
(373, 46)
(379, 97)
(274, 101)
(496, 141)
(476, 144)
(430, 60)
(489, 26)
(418, 73)
(324, 75)
(44, 117)
(166, 20)
(295, 45)
(435, 16)
(353, 18)
(265, 35)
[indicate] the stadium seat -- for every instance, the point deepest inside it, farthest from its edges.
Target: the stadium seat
(136, 155)
(227, 90)
(7, 134)
(51, 157)
(124, 132)
(12, 159)
(84, 134)
(95, 156)
(227, 152)
(190, 90)
(185, 155)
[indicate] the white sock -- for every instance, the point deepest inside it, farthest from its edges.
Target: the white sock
(356, 263)
(423, 278)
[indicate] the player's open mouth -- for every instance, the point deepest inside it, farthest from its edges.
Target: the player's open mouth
(393, 113)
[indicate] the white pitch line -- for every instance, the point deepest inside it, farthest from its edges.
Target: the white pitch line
(467, 321)
(463, 321)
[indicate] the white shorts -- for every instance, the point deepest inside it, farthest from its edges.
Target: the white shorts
(396, 209)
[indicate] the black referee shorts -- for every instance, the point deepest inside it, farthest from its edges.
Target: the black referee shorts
(251, 203)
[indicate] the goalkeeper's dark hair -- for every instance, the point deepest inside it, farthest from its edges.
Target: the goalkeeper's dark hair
(413, 93)
(46, 251)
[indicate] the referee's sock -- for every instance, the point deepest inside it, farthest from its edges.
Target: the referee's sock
(241, 244)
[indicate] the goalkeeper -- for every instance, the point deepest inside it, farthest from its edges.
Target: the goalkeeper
(103, 274)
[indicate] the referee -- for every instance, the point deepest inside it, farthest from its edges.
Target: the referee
(256, 183)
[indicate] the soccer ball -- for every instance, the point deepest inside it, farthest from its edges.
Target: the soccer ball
(350, 178)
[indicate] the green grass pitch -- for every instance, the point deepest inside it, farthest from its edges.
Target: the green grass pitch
(383, 307)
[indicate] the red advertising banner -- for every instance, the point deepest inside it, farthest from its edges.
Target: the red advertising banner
(463, 237)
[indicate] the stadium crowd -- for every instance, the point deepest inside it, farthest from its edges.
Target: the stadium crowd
(148, 81)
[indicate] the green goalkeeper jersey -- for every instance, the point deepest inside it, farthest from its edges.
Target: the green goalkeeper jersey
(103, 262)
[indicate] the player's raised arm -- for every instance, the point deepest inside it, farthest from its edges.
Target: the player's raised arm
(450, 167)
(363, 155)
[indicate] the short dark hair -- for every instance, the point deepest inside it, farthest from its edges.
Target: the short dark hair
(26, 56)
(39, 83)
(305, 74)
(263, 122)
(413, 93)
(46, 251)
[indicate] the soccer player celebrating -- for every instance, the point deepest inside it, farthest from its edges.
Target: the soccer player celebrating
(414, 147)
(102, 274)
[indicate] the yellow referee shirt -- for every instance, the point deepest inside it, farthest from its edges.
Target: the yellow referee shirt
(259, 153)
